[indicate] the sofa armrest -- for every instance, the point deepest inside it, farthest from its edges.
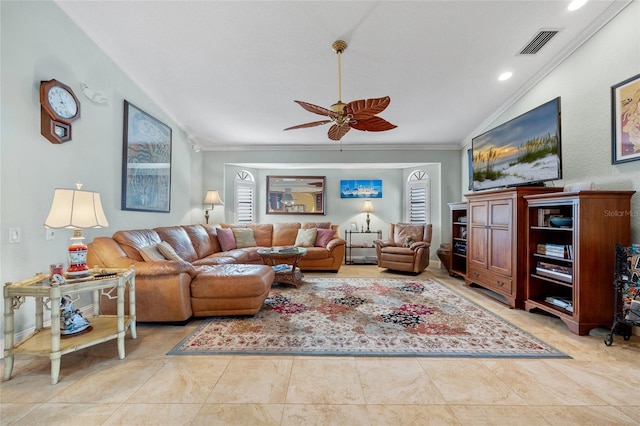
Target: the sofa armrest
(420, 244)
(335, 243)
(155, 268)
(164, 267)
(382, 243)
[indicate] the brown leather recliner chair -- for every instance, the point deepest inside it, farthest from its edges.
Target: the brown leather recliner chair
(407, 248)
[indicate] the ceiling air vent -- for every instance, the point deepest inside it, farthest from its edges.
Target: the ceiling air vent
(538, 42)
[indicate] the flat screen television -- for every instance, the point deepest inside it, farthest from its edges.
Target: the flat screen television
(522, 151)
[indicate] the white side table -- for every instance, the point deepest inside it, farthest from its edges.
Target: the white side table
(48, 294)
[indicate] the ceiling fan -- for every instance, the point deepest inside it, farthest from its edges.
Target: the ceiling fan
(359, 115)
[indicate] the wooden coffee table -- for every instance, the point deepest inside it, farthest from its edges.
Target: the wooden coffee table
(289, 256)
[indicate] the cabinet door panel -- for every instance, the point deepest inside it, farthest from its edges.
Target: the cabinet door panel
(500, 251)
(477, 252)
(501, 213)
(478, 213)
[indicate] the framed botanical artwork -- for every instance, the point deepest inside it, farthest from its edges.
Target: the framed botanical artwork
(146, 162)
(625, 114)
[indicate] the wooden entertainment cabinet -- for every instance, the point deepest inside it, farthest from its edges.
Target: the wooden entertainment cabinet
(496, 236)
(570, 265)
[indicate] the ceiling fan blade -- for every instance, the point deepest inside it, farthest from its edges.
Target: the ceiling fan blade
(365, 108)
(312, 124)
(373, 124)
(337, 132)
(316, 109)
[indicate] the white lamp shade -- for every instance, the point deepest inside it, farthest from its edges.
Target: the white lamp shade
(213, 198)
(367, 207)
(76, 209)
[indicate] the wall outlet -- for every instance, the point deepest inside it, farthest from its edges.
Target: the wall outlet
(49, 234)
(14, 235)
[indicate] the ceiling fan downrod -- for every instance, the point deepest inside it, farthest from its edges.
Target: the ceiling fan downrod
(339, 46)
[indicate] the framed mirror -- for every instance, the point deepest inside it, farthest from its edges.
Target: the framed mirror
(295, 194)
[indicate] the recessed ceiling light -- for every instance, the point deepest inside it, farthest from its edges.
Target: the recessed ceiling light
(505, 76)
(576, 4)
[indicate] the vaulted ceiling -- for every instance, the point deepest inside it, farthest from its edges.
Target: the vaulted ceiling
(228, 71)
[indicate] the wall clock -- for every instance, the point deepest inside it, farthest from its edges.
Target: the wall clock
(59, 107)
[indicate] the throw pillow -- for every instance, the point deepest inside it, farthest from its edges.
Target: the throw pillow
(226, 239)
(244, 237)
(306, 237)
(168, 252)
(324, 236)
(151, 253)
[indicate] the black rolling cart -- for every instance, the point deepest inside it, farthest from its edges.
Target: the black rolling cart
(627, 297)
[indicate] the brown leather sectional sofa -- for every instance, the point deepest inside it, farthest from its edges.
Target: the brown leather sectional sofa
(172, 290)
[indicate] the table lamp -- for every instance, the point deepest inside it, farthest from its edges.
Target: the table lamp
(212, 197)
(76, 209)
(367, 208)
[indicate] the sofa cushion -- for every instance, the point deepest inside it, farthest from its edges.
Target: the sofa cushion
(203, 243)
(131, 241)
(219, 258)
(244, 237)
(262, 232)
(212, 232)
(315, 253)
(168, 252)
(404, 232)
(319, 225)
(151, 253)
(284, 234)
(179, 240)
(306, 237)
(323, 237)
(226, 239)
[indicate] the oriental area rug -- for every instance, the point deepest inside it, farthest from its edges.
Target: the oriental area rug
(366, 317)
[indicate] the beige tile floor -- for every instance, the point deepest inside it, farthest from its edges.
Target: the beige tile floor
(600, 385)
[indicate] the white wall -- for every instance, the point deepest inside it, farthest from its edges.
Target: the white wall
(40, 43)
(584, 81)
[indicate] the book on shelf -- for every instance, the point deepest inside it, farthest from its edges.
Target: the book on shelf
(559, 272)
(460, 247)
(545, 214)
(562, 302)
(564, 251)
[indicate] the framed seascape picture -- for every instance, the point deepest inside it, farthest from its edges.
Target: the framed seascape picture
(146, 162)
(371, 188)
(625, 115)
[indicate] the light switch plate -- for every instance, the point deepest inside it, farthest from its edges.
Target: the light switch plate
(14, 235)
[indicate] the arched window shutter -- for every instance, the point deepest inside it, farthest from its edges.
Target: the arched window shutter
(418, 199)
(245, 189)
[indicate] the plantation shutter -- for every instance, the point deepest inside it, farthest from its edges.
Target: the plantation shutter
(245, 188)
(418, 209)
(417, 205)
